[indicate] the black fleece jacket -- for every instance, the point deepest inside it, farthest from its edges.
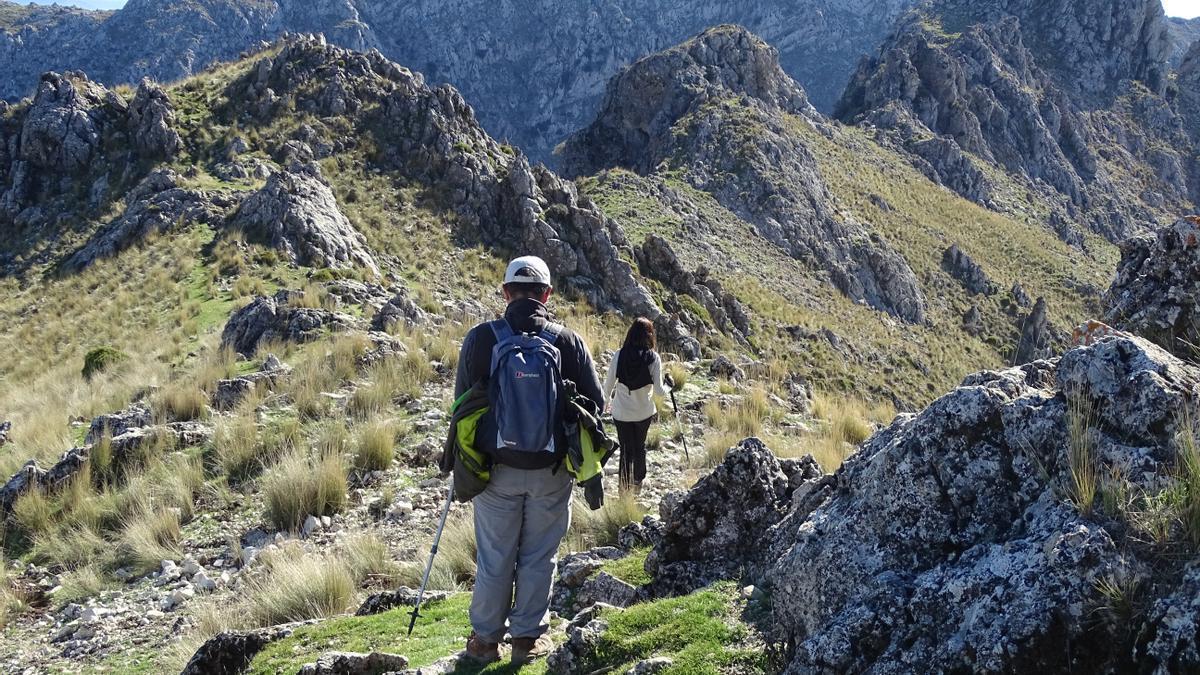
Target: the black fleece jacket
(475, 362)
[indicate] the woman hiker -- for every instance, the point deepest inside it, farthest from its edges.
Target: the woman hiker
(634, 375)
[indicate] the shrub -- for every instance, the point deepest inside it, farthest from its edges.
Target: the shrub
(298, 487)
(100, 359)
(375, 446)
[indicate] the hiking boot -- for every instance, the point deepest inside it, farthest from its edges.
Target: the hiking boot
(528, 649)
(481, 651)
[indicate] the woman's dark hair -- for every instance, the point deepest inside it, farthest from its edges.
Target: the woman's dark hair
(640, 336)
(637, 355)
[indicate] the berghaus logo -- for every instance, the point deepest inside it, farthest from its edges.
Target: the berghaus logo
(521, 375)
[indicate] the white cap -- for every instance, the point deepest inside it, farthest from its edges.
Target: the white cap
(528, 269)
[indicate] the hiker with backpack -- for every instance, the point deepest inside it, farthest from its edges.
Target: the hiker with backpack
(519, 375)
(634, 377)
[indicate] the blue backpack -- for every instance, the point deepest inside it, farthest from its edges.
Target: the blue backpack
(526, 382)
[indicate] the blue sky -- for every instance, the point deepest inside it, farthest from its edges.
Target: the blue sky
(1188, 8)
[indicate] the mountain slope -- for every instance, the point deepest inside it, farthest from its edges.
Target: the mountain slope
(534, 70)
(711, 153)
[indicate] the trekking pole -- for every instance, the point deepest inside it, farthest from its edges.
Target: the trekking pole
(432, 552)
(679, 424)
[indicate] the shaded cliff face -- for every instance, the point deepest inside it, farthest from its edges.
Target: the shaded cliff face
(719, 110)
(1070, 101)
(1183, 34)
(1088, 46)
(535, 70)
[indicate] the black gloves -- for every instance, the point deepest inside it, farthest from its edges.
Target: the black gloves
(593, 492)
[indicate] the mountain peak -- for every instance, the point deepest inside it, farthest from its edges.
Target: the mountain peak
(649, 97)
(1090, 46)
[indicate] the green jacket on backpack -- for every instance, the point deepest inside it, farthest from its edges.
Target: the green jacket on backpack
(588, 444)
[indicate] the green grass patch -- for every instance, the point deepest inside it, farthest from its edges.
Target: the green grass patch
(441, 631)
(631, 569)
(700, 633)
(129, 662)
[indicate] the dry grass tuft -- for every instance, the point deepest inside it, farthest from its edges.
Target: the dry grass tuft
(1081, 451)
(846, 423)
(599, 528)
(296, 587)
(148, 539)
(454, 566)
(299, 486)
(369, 561)
(375, 446)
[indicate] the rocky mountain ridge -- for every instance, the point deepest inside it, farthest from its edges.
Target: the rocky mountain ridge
(1071, 101)
(716, 109)
(535, 70)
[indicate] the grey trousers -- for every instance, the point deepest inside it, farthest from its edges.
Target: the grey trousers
(520, 520)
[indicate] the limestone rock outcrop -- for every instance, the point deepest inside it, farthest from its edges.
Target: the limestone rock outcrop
(278, 318)
(955, 537)
(431, 135)
(961, 266)
(1067, 97)
(152, 123)
(1157, 288)
(157, 205)
(656, 260)
(1036, 335)
(297, 214)
(536, 69)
